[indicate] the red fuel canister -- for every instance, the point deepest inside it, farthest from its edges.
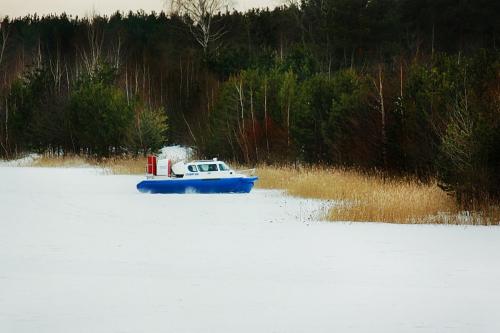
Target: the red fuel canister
(151, 169)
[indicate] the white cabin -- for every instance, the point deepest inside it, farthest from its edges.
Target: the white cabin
(203, 169)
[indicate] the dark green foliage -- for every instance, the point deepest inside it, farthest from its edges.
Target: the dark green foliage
(101, 119)
(95, 118)
(151, 129)
(301, 62)
(469, 160)
(37, 112)
(351, 130)
(384, 84)
(310, 119)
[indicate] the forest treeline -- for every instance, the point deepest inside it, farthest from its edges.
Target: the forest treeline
(403, 86)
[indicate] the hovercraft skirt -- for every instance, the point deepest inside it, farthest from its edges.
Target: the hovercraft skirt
(213, 185)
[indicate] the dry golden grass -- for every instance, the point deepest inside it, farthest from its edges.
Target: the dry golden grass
(46, 161)
(359, 197)
(125, 166)
(362, 197)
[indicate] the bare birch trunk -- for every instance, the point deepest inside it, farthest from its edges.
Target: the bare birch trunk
(288, 126)
(6, 146)
(187, 78)
(201, 14)
(180, 82)
(136, 79)
(239, 89)
(67, 77)
(126, 85)
(253, 126)
(55, 70)
(265, 116)
(382, 113)
(5, 37)
(161, 88)
(92, 58)
(143, 78)
(149, 87)
(401, 79)
(39, 55)
(189, 129)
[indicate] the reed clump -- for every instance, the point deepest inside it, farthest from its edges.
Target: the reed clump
(66, 161)
(124, 165)
(363, 197)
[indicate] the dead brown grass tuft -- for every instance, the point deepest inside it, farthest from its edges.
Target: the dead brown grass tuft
(374, 198)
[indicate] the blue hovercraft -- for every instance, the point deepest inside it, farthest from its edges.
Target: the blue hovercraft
(207, 177)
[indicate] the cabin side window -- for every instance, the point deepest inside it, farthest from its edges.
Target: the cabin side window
(223, 167)
(192, 168)
(207, 167)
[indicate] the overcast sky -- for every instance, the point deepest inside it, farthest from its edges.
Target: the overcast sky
(15, 8)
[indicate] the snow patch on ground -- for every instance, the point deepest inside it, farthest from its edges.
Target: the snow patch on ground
(176, 153)
(85, 252)
(21, 162)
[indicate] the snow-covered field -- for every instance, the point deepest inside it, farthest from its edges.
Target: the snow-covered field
(84, 252)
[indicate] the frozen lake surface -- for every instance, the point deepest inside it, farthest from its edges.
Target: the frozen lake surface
(85, 252)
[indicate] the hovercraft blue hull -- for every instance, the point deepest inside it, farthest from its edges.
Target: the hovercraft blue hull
(181, 186)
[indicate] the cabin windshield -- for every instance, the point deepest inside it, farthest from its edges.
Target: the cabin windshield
(192, 168)
(223, 167)
(207, 167)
